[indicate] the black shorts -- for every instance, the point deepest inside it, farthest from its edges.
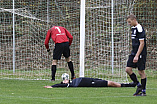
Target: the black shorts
(140, 64)
(61, 48)
(89, 82)
(100, 83)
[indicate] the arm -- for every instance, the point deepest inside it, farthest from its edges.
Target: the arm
(139, 51)
(141, 39)
(48, 36)
(48, 87)
(60, 85)
(56, 85)
(69, 36)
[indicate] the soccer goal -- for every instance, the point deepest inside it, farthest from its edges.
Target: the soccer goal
(99, 49)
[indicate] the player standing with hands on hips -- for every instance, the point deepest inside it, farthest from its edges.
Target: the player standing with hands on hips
(62, 39)
(137, 58)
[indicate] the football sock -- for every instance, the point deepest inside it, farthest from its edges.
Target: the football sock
(53, 70)
(134, 78)
(70, 65)
(138, 84)
(143, 82)
(127, 85)
(144, 90)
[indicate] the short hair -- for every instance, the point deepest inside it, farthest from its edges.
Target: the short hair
(131, 16)
(51, 25)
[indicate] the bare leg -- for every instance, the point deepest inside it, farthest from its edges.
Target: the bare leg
(129, 70)
(54, 62)
(132, 75)
(68, 59)
(142, 74)
(113, 84)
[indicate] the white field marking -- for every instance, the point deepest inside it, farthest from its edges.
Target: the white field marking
(152, 88)
(27, 97)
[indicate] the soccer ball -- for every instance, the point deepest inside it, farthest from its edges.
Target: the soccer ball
(65, 76)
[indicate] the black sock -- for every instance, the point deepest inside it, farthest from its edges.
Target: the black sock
(143, 82)
(70, 65)
(53, 71)
(127, 85)
(134, 78)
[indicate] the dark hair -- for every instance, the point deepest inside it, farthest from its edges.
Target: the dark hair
(64, 83)
(131, 16)
(52, 25)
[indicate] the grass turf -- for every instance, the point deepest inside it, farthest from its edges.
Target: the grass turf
(32, 92)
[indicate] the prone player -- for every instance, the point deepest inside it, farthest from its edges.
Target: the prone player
(89, 82)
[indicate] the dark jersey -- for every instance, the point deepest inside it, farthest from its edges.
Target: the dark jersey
(84, 82)
(138, 33)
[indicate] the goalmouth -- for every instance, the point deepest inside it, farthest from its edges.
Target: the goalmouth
(99, 50)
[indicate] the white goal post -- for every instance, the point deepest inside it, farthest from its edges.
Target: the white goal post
(82, 38)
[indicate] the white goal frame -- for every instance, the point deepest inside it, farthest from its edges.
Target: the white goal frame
(82, 38)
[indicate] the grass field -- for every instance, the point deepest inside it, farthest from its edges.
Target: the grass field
(32, 92)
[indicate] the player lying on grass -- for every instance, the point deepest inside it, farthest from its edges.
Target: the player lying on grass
(89, 82)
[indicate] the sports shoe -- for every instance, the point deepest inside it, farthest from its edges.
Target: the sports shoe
(73, 77)
(141, 94)
(53, 79)
(138, 90)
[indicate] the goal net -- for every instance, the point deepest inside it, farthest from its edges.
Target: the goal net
(33, 19)
(106, 56)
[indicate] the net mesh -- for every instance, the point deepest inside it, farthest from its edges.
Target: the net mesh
(34, 17)
(32, 20)
(99, 39)
(147, 16)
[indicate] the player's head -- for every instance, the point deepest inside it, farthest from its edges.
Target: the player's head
(51, 25)
(131, 20)
(65, 81)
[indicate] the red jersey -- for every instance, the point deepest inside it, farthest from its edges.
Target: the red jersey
(59, 35)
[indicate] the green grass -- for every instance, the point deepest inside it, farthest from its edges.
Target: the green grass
(46, 74)
(32, 92)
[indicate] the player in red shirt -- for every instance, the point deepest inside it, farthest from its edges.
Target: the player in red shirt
(62, 39)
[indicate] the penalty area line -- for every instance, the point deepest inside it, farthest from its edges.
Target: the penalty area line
(28, 97)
